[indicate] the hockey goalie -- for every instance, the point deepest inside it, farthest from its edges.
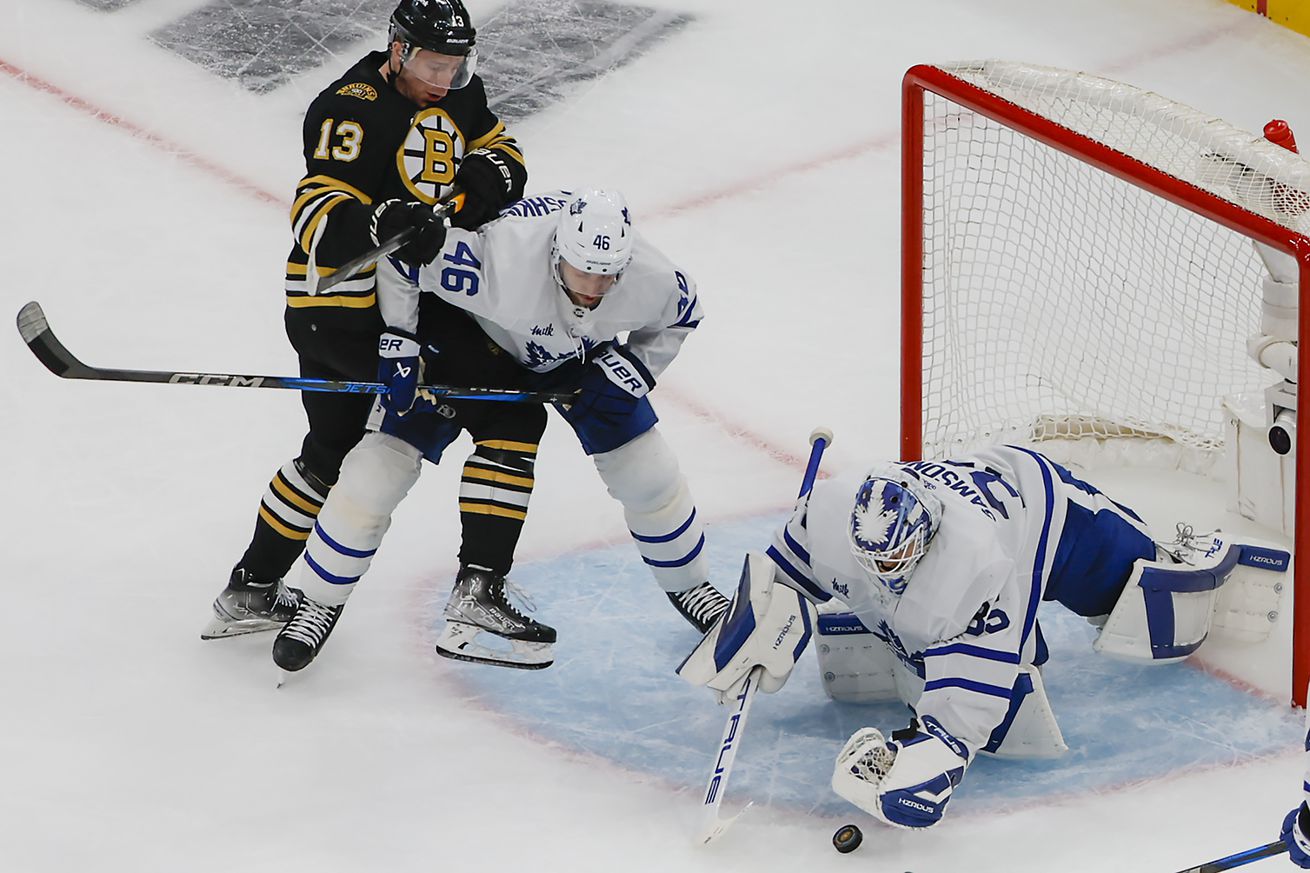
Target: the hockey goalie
(942, 565)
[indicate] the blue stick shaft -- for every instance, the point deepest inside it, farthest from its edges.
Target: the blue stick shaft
(1268, 850)
(817, 445)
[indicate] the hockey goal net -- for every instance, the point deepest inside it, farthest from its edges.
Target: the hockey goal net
(1078, 262)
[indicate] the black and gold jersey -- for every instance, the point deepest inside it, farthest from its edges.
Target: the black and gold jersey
(364, 143)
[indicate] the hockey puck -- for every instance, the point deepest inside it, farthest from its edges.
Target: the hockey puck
(847, 839)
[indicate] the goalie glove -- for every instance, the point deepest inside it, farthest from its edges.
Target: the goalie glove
(906, 781)
(768, 625)
(1294, 835)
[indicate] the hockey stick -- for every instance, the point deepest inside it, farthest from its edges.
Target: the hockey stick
(1268, 850)
(711, 824)
(36, 332)
(443, 207)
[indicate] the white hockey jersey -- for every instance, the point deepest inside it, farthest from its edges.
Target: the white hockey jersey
(967, 618)
(502, 275)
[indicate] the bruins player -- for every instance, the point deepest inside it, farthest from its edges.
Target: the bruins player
(382, 144)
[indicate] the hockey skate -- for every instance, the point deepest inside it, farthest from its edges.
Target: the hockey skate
(480, 616)
(701, 606)
(300, 641)
(248, 606)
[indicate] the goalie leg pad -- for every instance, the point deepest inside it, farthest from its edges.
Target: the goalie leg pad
(644, 476)
(905, 782)
(1029, 729)
(768, 625)
(855, 666)
(1163, 614)
(375, 477)
(1249, 601)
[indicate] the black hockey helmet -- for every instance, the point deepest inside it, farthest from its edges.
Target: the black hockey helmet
(436, 25)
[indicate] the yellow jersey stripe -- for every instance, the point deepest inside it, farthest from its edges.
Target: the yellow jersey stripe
(509, 446)
(307, 235)
(495, 132)
(482, 509)
(300, 271)
(323, 183)
(503, 478)
(296, 302)
(285, 531)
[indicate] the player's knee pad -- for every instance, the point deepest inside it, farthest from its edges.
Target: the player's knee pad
(375, 477)
(855, 666)
(644, 476)
(1029, 729)
(1165, 611)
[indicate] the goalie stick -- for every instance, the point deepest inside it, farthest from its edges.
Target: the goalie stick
(711, 824)
(35, 331)
(1268, 850)
(448, 204)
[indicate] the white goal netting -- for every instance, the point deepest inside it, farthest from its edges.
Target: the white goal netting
(1059, 299)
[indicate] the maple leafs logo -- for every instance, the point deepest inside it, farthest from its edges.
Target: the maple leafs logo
(871, 521)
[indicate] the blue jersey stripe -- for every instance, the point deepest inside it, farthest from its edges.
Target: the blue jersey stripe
(1039, 560)
(796, 547)
(967, 685)
(796, 576)
(973, 652)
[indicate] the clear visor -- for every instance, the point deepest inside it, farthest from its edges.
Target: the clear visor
(583, 288)
(450, 72)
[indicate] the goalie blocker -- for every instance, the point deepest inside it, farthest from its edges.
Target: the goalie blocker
(768, 625)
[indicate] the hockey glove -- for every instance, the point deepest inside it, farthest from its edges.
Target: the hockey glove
(398, 369)
(1294, 834)
(611, 386)
(905, 781)
(488, 183)
(392, 217)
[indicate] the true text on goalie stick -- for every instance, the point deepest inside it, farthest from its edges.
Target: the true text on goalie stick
(711, 825)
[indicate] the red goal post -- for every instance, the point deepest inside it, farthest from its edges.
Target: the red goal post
(1063, 185)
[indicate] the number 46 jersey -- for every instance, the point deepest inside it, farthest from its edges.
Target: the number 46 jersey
(1016, 529)
(503, 275)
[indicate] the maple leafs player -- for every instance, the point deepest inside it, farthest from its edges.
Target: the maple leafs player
(944, 563)
(382, 143)
(554, 282)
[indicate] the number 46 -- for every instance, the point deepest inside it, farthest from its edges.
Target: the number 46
(601, 242)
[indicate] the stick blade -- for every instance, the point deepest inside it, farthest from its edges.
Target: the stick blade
(714, 828)
(31, 322)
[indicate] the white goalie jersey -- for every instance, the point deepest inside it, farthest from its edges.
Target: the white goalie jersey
(967, 620)
(502, 275)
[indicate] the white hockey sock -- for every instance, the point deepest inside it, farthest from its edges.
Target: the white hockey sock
(375, 477)
(644, 476)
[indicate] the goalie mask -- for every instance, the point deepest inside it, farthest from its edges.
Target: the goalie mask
(894, 519)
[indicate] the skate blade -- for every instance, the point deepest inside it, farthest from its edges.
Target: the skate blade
(218, 629)
(459, 642)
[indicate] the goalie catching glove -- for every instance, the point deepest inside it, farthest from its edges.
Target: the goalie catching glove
(768, 625)
(905, 781)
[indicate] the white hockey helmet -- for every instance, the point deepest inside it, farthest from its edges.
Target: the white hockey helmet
(896, 515)
(595, 233)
